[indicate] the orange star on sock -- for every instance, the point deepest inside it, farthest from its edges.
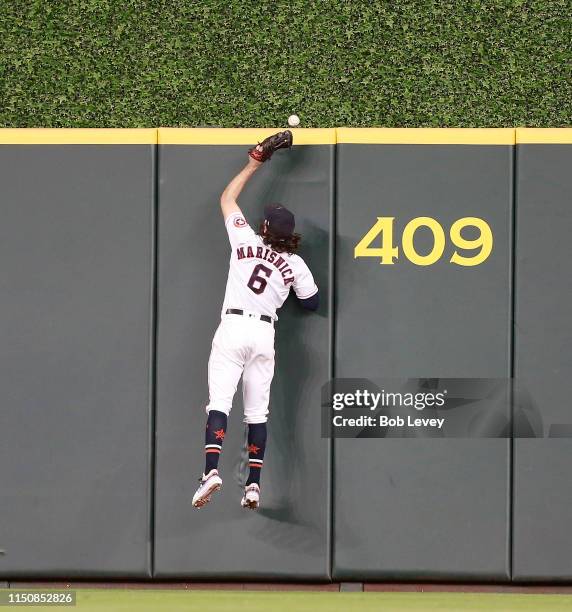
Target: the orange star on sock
(252, 448)
(219, 434)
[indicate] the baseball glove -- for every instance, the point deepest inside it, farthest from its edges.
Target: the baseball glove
(265, 149)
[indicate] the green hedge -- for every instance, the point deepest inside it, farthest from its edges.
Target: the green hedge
(134, 63)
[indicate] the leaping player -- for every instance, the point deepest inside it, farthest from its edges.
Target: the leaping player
(263, 268)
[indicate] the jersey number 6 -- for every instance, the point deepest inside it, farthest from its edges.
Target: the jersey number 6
(257, 283)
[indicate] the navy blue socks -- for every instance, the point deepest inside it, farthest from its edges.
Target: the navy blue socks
(214, 437)
(256, 448)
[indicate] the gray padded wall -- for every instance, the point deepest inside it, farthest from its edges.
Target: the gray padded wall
(289, 537)
(418, 509)
(75, 322)
(543, 362)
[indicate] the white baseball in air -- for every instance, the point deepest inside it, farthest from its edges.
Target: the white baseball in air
(293, 121)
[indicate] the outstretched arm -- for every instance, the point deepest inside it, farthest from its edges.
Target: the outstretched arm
(229, 197)
(256, 157)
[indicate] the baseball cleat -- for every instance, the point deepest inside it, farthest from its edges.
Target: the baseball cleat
(251, 497)
(208, 485)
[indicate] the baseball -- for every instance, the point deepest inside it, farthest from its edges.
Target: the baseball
(293, 120)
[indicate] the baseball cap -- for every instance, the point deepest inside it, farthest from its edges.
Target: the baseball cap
(280, 220)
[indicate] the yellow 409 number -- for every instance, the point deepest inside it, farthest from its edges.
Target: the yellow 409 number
(387, 252)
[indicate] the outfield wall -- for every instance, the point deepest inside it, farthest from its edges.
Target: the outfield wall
(419, 515)
(543, 359)
(289, 538)
(76, 268)
(113, 269)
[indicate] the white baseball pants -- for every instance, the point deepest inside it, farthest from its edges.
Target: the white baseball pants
(242, 345)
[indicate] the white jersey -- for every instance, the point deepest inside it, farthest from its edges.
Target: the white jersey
(259, 279)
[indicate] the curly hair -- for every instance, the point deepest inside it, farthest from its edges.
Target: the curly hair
(279, 244)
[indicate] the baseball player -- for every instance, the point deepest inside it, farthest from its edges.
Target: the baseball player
(263, 268)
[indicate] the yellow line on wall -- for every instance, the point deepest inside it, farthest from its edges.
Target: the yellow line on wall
(462, 136)
(544, 135)
(242, 136)
(302, 136)
(40, 136)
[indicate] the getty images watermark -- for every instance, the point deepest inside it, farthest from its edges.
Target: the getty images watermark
(434, 408)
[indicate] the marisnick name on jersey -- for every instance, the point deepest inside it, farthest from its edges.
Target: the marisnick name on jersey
(248, 252)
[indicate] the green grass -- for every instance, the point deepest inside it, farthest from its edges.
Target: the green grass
(135, 63)
(232, 601)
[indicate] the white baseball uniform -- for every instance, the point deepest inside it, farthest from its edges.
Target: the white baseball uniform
(259, 281)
